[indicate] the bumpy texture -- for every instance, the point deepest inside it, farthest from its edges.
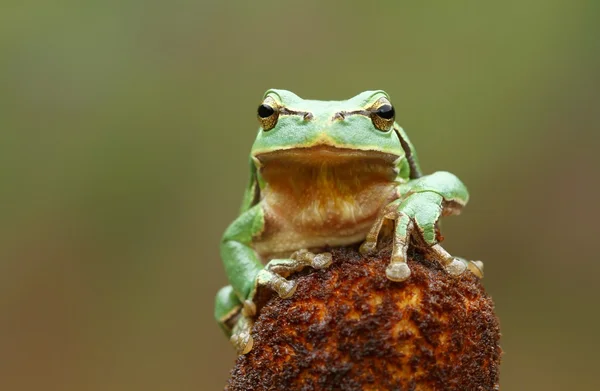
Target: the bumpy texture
(350, 328)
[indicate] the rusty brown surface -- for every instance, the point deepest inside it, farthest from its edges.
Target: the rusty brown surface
(349, 328)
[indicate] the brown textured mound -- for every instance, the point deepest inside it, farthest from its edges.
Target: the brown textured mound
(350, 328)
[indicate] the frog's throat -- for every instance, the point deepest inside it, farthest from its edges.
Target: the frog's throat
(321, 190)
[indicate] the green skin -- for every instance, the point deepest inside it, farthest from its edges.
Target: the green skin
(311, 131)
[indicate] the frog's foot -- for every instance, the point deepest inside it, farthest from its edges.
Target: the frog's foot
(397, 270)
(416, 215)
(241, 337)
(298, 261)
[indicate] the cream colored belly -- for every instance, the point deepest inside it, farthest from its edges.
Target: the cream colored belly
(323, 222)
(287, 240)
(312, 202)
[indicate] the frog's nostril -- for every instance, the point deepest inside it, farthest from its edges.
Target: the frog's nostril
(339, 116)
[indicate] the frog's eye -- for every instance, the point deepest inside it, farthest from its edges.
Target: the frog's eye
(383, 114)
(386, 112)
(265, 111)
(268, 113)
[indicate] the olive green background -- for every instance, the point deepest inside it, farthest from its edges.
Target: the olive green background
(125, 128)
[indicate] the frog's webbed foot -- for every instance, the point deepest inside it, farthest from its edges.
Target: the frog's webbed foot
(298, 261)
(274, 274)
(417, 214)
(241, 337)
(241, 332)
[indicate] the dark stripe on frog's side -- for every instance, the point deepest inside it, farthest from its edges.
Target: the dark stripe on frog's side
(415, 172)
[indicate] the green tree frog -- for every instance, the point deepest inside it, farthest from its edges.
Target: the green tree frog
(326, 174)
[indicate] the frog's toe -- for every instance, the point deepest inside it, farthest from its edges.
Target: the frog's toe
(248, 308)
(242, 341)
(367, 248)
(279, 284)
(455, 267)
(241, 337)
(397, 271)
(286, 289)
(321, 261)
(476, 267)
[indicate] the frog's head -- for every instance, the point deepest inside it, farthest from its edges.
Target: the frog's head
(310, 130)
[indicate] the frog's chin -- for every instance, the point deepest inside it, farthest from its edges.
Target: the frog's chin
(326, 154)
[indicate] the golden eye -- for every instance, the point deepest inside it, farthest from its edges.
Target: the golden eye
(268, 113)
(383, 114)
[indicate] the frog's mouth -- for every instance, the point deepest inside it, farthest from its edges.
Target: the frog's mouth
(325, 154)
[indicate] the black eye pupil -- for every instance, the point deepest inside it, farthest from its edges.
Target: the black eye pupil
(265, 111)
(386, 112)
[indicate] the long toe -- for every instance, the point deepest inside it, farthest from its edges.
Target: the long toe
(476, 267)
(287, 289)
(322, 261)
(397, 271)
(456, 267)
(242, 342)
(367, 248)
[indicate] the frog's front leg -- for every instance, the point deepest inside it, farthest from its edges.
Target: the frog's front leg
(242, 266)
(425, 200)
(247, 275)
(272, 276)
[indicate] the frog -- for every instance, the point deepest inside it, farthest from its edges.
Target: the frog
(327, 174)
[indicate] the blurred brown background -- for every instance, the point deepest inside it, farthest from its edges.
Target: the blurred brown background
(125, 128)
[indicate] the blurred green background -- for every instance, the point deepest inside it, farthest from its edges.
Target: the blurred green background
(125, 128)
